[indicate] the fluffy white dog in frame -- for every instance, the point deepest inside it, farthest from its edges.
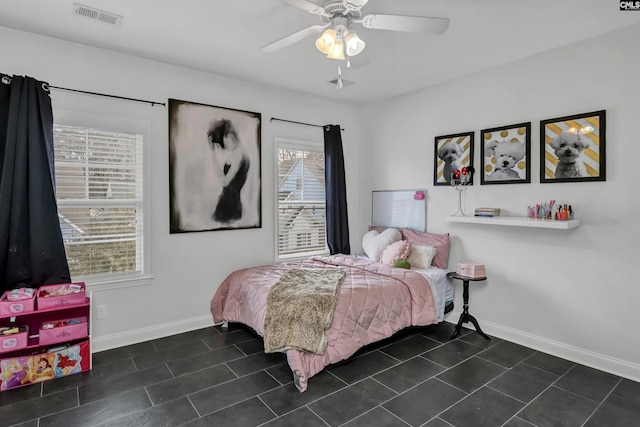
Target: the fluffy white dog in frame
(450, 154)
(507, 155)
(568, 148)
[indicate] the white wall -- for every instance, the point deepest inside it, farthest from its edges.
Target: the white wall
(187, 268)
(573, 293)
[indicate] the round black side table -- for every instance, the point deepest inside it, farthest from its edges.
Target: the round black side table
(465, 317)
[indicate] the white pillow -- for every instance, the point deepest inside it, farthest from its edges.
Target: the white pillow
(374, 242)
(421, 256)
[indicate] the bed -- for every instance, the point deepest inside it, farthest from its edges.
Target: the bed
(372, 301)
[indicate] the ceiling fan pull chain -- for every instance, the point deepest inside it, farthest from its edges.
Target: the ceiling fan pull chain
(348, 61)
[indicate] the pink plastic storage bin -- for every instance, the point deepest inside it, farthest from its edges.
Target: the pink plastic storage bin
(64, 331)
(52, 296)
(13, 342)
(10, 308)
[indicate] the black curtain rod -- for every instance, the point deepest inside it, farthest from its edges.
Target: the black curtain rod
(109, 96)
(298, 123)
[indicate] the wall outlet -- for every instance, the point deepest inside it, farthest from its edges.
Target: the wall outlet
(102, 311)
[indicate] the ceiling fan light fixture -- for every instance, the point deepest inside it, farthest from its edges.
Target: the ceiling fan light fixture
(326, 41)
(338, 50)
(355, 44)
(338, 15)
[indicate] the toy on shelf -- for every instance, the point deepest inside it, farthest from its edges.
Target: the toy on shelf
(59, 290)
(20, 294)
(460, 179)
(51, 296)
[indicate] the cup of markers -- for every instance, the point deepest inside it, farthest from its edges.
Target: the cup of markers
(542, 210)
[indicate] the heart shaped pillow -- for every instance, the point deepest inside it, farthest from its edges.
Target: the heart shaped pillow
(374, 242)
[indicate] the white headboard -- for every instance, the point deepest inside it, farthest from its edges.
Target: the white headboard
(399, 209)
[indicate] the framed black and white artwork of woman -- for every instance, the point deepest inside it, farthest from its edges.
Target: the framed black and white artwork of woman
(214, 168)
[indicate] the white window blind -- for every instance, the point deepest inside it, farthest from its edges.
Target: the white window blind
(99, 194)
(301, 201)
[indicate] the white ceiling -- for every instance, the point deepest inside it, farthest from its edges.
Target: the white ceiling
(225, 36)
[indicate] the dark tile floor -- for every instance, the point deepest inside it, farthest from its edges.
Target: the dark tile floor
(216, 377)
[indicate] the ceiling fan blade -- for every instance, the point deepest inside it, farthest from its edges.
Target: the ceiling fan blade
(308, 6)
(411, 24)
(293, 38)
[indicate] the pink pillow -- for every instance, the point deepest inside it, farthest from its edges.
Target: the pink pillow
(395, 251)
(439, 241)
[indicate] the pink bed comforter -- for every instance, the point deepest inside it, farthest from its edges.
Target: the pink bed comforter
(374, 302)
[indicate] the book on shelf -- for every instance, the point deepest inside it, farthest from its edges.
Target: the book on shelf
(488, 212)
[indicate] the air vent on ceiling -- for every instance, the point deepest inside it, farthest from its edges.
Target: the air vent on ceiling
(97, 14)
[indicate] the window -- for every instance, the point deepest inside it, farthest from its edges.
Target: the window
(301, 199)
(304, 239)
(100, 201)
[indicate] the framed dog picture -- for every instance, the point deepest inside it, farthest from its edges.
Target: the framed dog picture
(452, 152)
(214, 168)
(506, 152)
(572, 148)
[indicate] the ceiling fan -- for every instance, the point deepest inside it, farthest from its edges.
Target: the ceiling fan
(337, 16)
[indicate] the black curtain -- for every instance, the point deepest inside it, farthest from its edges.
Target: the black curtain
(31, 248)
(336, 190)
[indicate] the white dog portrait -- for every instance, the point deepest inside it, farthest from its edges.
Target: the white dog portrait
(450, 154)
(573, 148)
(507, 154)
(568, 148)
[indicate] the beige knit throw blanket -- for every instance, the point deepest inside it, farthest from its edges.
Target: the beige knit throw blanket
(300, 309)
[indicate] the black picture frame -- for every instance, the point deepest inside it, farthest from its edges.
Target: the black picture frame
(214, 168)
(506, 154)
(573, 148)
(452, 152)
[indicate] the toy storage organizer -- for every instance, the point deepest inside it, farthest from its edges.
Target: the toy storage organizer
(52, 341)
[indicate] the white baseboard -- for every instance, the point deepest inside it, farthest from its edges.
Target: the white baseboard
(594, 360)
(135, 336)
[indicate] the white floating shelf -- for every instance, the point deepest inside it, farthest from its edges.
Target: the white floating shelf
(516, 221)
